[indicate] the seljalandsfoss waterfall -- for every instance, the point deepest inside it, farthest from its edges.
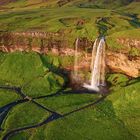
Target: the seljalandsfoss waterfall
(97, 66)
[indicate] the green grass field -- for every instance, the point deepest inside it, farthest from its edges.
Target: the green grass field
(117, 117)
(74, 19)
(37, 88)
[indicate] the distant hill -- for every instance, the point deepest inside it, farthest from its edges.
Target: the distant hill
(78, 17)
(106, 3)
(79, 3)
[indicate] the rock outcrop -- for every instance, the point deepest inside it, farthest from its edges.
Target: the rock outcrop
(121, 63)
(129, 42)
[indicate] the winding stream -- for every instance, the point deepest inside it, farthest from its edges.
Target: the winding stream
(54, 115)
(51, 118)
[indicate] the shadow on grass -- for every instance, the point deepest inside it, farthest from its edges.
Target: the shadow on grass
(51, 118)
(131, 18)
(137, 80)
(59, 71)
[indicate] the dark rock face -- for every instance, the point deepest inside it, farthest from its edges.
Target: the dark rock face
(39, 41)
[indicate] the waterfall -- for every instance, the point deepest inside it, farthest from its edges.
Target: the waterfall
(103, 67)
(76, 58)
(93, 53)
(97, 66)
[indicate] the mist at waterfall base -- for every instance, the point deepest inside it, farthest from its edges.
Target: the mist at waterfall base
(97, 66)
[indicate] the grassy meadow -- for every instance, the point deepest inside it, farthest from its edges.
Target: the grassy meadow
(33, 89)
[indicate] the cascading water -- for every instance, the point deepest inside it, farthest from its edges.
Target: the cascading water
(93, 53)
(76, 58)
(103, 67)
(98, 66)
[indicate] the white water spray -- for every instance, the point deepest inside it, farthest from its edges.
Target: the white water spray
(93, 53)
(98, 66)
(76, 58)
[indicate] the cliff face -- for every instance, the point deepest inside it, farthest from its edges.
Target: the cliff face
(121, 63)
(129, 42)
(36, 42)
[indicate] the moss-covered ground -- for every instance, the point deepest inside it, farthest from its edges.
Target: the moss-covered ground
(35, 102)
(115, 117)
(78, 18)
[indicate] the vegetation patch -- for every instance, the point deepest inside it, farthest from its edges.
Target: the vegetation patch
(7, 97)
(26, 114)
(36, 103)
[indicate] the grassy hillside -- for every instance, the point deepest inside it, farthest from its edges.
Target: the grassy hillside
(74, 17)
(79, 18)
(116, 117)
(35, 103)
(102, 3)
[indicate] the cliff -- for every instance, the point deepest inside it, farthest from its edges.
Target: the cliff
(43, 43)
